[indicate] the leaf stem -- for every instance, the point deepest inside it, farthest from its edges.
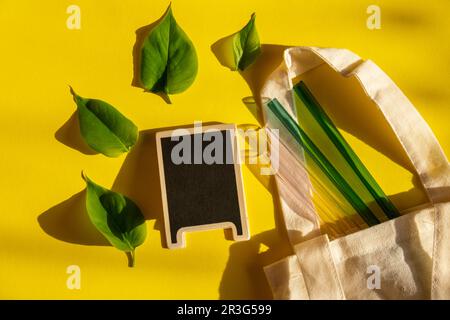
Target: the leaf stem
(165, 97)
(83, 176)
(132, 258)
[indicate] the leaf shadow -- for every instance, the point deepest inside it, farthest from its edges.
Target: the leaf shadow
(220, 50)
(138, 179)
(141, 34)
(69, 222)
(69, 134)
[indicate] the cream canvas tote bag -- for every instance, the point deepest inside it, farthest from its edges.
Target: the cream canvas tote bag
(410, 255)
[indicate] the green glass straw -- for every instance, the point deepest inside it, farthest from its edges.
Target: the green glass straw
(313, 106)
(322, 162)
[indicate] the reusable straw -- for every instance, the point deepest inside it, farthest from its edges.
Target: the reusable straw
(335, 214)
(322, 162)
(313, 106)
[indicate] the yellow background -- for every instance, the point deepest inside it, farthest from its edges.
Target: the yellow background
(42, 209)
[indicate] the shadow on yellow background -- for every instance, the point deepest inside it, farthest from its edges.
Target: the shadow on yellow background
(69, 222)
(138, 177)
(69, 134)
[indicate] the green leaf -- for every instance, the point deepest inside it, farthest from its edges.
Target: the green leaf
(241, 49)
(103, 127)
(246, 45)
(168, 59)
(117, 217)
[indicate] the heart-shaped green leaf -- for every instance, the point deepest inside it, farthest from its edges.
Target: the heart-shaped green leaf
(103, 127)
(168, 58)
(240, 49)
(117, 217)
(246, 45)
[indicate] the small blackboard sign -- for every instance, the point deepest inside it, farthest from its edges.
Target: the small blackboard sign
(201, 181)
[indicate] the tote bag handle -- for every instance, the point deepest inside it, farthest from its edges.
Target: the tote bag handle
(413, 133)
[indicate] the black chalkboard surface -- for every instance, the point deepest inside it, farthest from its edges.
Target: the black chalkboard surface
(201, 182)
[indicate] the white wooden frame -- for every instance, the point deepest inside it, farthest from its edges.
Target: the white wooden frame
(181, 242)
